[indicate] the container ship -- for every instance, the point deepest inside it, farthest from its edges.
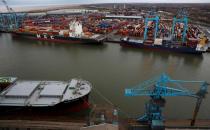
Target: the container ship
(43, 95)
(74, 34)
(166, 45)
(158, 34)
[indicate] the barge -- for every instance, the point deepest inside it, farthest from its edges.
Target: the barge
(55, 96)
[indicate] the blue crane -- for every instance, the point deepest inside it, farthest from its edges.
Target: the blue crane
(10, 20)
(154, 18)
(1, 20)
(160, 87)
(181, 18)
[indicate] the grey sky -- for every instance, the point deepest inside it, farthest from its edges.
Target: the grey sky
(44, 2)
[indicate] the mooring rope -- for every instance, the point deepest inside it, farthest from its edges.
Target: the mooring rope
(108, 101)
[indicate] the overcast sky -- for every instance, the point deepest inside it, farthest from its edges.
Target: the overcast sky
(46, 2)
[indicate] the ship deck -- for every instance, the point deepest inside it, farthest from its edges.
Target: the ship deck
(43, 93)
(99, 37)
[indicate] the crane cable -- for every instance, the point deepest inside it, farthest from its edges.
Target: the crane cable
(108, 101)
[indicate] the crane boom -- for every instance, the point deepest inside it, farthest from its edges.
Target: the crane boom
(160, 86)
(6, 5)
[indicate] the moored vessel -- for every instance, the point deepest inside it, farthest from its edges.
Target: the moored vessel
(167, 45)
(44, 95)
(158, 34)
(74, 34)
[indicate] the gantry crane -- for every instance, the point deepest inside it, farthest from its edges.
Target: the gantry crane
(160, 87)
(1, 20)
(10, 20)
(154, 18)
(181, 17)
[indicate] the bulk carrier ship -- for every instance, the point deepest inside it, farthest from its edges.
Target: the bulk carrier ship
(74, 34)
(43, 95)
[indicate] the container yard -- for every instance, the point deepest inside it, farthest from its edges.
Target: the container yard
(112, 46)
(149, 29)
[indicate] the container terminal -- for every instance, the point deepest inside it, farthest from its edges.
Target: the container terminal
(146, 29)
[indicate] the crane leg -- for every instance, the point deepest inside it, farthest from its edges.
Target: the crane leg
(197, 107)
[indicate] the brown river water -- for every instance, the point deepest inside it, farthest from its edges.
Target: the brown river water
(109, 67)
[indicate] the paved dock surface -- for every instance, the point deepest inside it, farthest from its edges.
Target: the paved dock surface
(67, 125)
(183, 129)
(174, 125)
(186, 123)
(24, 124)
